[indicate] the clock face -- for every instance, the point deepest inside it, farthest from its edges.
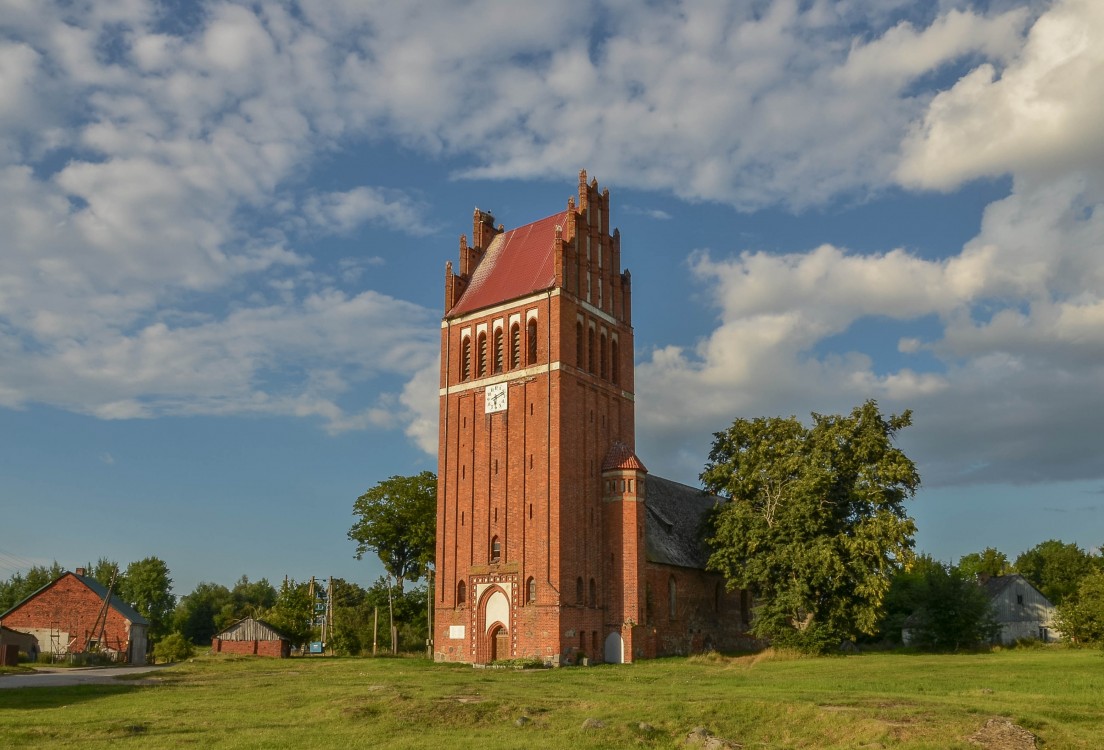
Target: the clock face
(494, 398)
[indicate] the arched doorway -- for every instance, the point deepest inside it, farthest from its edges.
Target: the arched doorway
(500, 642)
(614, 651)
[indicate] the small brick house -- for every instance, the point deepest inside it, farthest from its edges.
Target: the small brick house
(252, 637)
(553, 541)
(64, 615)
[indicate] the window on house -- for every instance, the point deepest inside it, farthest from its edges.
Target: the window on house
(579, 590)
(465, 358)
(482, 346)
(531, 340)
(672, 598)
(1019, 599)
(496, 550)
(461, 593)
(591, 356)
(615, 364)
(602, 356)
(531, 590)
(515, 346)
(498, 353)
(593, 599)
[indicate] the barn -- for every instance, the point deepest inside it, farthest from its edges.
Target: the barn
(1020, 608)
(75, 613)
(253, 637)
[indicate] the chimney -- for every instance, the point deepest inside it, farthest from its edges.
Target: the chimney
(79, 571)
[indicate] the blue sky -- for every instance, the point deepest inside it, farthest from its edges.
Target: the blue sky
(223, 231)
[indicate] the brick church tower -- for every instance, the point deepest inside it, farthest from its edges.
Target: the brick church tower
(553, 541)
(540, 548)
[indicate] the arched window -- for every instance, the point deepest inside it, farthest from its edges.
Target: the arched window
(531, 340)
(602, 355)
(579, 590)
(515, 346)
(580, 360)
(482, 346)
(593, 599)
(615, 363)
(672, 598)
(496, 550)
(531, 590)
(461, 593)
(498, 352)
(591, 356)
(465, 358)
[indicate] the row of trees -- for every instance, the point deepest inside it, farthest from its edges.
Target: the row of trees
(816, 529)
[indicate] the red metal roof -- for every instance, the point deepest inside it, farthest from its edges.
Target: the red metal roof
(517, 263)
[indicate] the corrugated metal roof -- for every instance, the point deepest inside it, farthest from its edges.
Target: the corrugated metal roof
(673, 524)
(516, 264)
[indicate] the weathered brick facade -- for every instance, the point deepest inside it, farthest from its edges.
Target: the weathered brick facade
(63, 614)
(541, 548)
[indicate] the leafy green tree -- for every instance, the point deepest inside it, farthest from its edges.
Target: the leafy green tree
(292, 612)
(398, 522)
(250, 598)
(197, 616)
(990, 561)
(1055, 568)
(147, 586)
(953, 611)
(1081, 618)
(104, 570)
(906, 595)
(816, 524)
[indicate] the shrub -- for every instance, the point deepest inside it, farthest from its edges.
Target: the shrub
(173, 647)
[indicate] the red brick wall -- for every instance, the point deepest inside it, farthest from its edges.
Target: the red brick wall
(70, 606)
(277, 649)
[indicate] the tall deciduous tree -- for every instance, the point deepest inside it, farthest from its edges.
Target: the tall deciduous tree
(1055, 568)
(989, 562)
(398, 522)
(1081, 618)
(816, 523)
(953, 611)
(147, 586)
(197, 615)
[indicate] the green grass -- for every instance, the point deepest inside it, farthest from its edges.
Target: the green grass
(875, 700)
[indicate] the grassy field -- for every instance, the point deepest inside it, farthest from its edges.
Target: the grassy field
(867, 701)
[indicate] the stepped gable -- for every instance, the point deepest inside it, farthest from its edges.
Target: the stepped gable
(516, 264)
(672, 529)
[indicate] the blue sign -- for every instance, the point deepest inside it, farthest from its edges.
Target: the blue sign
(316, 647)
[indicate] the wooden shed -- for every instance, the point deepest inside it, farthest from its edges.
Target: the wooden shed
(251, 636)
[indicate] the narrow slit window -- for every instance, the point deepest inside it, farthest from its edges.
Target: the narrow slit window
(498, 353)
(515, 346)
(531, 340)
